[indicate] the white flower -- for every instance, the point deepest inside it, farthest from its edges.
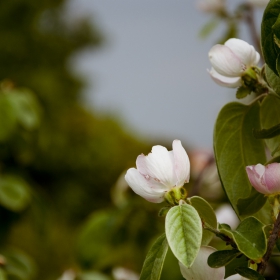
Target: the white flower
(121, 273)
(231, 60)
(200, 270)
(259, 3)
(211, 6)
(159, 172)
(226, 215)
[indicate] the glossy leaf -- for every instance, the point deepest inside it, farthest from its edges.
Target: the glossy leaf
(269, 47)
(235, 148)
(183, 230)
(249, 273)
(222, 258)
(15, 194)
(249, 237)
(272, 79)
(207, 215)
(154, 260)
(270, 116)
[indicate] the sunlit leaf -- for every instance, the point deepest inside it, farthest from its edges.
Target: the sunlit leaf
(184, 233)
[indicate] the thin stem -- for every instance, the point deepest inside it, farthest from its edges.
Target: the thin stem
(270, 245)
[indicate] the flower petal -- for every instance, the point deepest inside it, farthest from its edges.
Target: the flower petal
(200, 270)
(236, 277)
(158, 165)
(225, 62)
(272, 177)
(181, 163)
(244, 51)
(141, 186)
(255, 175)
(230, 82)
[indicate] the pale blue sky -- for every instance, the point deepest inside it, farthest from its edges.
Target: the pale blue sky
(152, 69)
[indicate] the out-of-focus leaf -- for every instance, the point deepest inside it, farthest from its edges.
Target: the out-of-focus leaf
(272, 79)
(154, 260)
(19, 265)
(8, 117)
(15, 194)
(3, 275)
(184, 233)
(207, 215)
(208, 28)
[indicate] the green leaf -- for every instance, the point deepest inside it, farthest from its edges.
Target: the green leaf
(222, 258)
(242, 92)
(252, 203)
(269, 47)
(26, 107)
(272, 79)
(8, 118)
(235, 148)
(206, 214)
(154, 260)
(249, 273)
(249, 237)
(15, 193)
(241, 261)
(270, 116)
(184, 233)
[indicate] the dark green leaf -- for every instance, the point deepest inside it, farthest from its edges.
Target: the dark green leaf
(251, 204)
(270, 116)
(207, 214)
(249, 273)
(272, 79)
(269, 47)
(14, 193)
(241, 261)
(242, 92)
(222, 258)
(183, 230)
(235, 148)
(249, 237)
(154, 260)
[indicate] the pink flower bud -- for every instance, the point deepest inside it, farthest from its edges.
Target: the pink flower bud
(265, 179)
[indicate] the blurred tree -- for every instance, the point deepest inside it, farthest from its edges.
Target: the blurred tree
(73, 158)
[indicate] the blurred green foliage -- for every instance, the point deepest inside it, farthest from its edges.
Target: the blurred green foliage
(58, 160)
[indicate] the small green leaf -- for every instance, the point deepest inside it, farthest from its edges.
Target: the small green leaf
(222, 258)
(249, 273)
(207, 214)
(242, 92)
(270, 116)
(251, 204)
(184, 233)
(241, 261)
(15, 194)
(267, 133)
(154, 260)
(272, 79)
(249, 237)
(235, 148)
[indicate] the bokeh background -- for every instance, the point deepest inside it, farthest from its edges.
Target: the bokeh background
(86, 86)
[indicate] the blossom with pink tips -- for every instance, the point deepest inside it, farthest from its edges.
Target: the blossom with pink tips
(230, 61)
(265, 179)
(159, 172)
